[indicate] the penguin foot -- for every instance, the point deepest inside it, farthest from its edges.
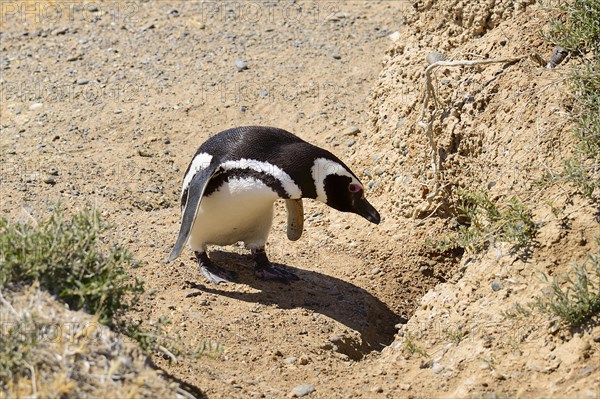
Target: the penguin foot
(212, 273)
(265, 270)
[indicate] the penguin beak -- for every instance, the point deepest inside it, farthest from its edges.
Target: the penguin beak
(363, 208)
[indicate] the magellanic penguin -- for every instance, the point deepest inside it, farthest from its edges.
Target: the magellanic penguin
(230, 187)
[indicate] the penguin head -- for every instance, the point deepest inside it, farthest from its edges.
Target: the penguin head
(339, 188)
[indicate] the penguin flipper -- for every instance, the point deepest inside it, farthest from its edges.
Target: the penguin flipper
(195, 193)
(295, 221)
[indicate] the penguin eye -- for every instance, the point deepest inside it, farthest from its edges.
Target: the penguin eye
(354, 188)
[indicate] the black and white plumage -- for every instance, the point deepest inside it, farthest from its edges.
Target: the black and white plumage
(230, 187)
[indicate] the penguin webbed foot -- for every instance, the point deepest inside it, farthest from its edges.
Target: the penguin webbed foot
(212, 273)
(265, 270)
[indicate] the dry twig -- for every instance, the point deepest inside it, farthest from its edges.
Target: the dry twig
(428, 126)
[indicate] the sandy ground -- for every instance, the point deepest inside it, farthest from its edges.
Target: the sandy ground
(103, 105)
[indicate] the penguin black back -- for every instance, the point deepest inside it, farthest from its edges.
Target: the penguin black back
(273, 145)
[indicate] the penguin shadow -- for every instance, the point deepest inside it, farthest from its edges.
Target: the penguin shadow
(344, 302)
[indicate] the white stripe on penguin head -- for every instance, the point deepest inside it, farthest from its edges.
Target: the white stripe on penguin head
(290, 187)
(200, 161)
(323, 167)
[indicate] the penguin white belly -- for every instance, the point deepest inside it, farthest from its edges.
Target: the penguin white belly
(240, 210)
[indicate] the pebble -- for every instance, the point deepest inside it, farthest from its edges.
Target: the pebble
(290, 360)
(144, 153)
(437, 368)
(597, 338)
(118, 111)
(84, 81)
(148, 27)
(557, 57)
(50, 180)
(375, 271)
(351, 142)
(92, 8)
(336, 55)
(53, 172)
(303, 361)
(301, 390)
(59, 31)
(434, 57)
(241, 65)
(496, 286)
(352, 131)
(394, 36)
(173, 12)
(35, 106)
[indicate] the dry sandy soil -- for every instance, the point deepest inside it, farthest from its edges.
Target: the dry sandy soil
(104, 104)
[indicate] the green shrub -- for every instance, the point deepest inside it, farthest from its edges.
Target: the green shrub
(65, 258)
(482, 223)
(578, 31)
(577, 300)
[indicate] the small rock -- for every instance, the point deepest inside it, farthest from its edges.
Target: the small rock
(193, 294)
(434, 57)
(378, 389)
(394, 36)
(173, 12)
(375, 271)
(59, 31)
(240, 65)
(496, 286)
(50, 180)
(557, 57)
(426, 270)
(487, 342)
(263, 93)
(597, 338)
(351, 142)
(166, 140)
(304, 360)
(437, 368)
(118, 111)
(35, 106)
(401, 322)
(336, 55)
(290, 360)
(84, 81)
(352, 131)
(92, 8)
(53, 172)
(144, 153)
(405, 387)
(148, 27)
(301, 390)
